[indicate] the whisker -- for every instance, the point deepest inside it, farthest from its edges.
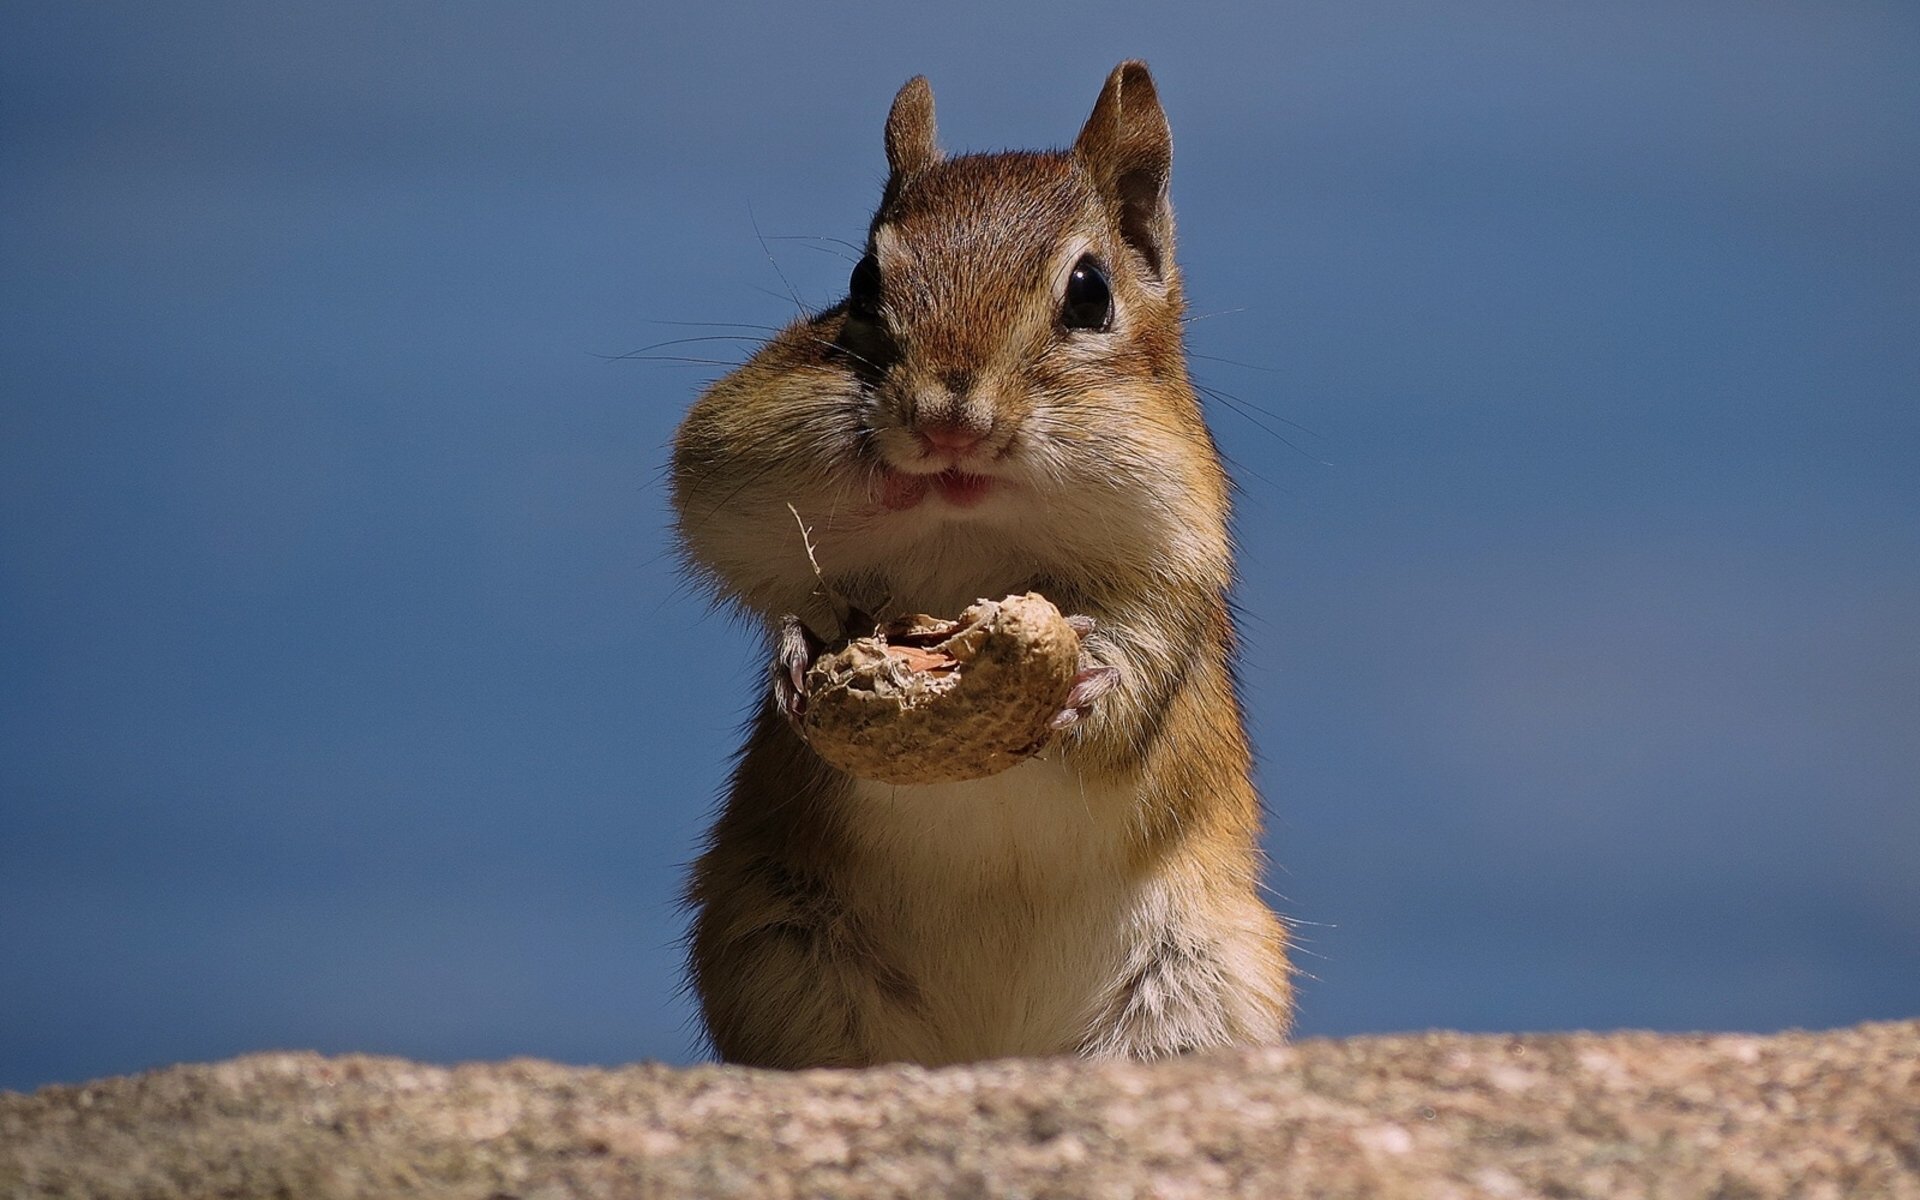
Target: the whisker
(830, 345)
(716, 325)
(856, 247)
(842, 255)
(1265, 412)
(1247, 411)
(1235, 363)
(772, 262)
(1190, 318)
(676, 359)
(686, 341)
(790, 296)
(1236, 468)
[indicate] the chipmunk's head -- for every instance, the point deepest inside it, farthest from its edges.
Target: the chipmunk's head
(1002, 397)
(1007, 302)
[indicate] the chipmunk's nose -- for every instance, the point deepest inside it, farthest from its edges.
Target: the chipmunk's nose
(956, 438)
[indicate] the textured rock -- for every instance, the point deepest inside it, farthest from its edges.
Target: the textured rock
(1441, 1115)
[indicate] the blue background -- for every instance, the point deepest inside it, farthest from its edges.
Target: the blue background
(348, 697)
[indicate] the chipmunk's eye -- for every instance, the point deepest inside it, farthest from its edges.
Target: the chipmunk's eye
(1089, 301)
(863, 289)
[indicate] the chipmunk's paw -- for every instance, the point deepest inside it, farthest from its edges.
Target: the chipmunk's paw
(1093, 681)
(793, 654)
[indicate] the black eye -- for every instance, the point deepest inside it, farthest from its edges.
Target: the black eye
(863, 289)
(1089, 302)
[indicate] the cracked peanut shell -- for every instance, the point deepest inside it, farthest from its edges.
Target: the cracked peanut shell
(926, 700)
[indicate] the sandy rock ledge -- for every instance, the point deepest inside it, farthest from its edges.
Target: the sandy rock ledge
(1441, 1115)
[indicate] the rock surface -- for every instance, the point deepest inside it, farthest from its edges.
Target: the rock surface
(1441, 1115)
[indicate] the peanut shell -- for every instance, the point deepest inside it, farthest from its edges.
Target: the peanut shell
(926, 700)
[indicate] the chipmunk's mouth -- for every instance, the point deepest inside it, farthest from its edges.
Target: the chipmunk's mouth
(900, 491)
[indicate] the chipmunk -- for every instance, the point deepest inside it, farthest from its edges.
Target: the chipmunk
(1000, 404)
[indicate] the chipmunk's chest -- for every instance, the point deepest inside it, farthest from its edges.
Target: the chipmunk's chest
(1010, 904)
(934, 570)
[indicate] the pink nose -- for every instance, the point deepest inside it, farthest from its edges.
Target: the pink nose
(944, 437)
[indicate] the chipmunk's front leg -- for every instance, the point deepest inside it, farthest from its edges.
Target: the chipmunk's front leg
(1136, 670)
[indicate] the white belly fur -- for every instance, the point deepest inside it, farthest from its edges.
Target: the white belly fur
(1010, 903)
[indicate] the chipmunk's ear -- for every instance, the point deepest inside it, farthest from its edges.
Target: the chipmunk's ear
(1127, 147)
(912, 144)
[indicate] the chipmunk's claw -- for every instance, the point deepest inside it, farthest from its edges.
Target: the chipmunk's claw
(793, 654)
(1088, 686)
(1093, 681)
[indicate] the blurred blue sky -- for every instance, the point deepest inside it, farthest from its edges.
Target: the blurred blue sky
(348, 699)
